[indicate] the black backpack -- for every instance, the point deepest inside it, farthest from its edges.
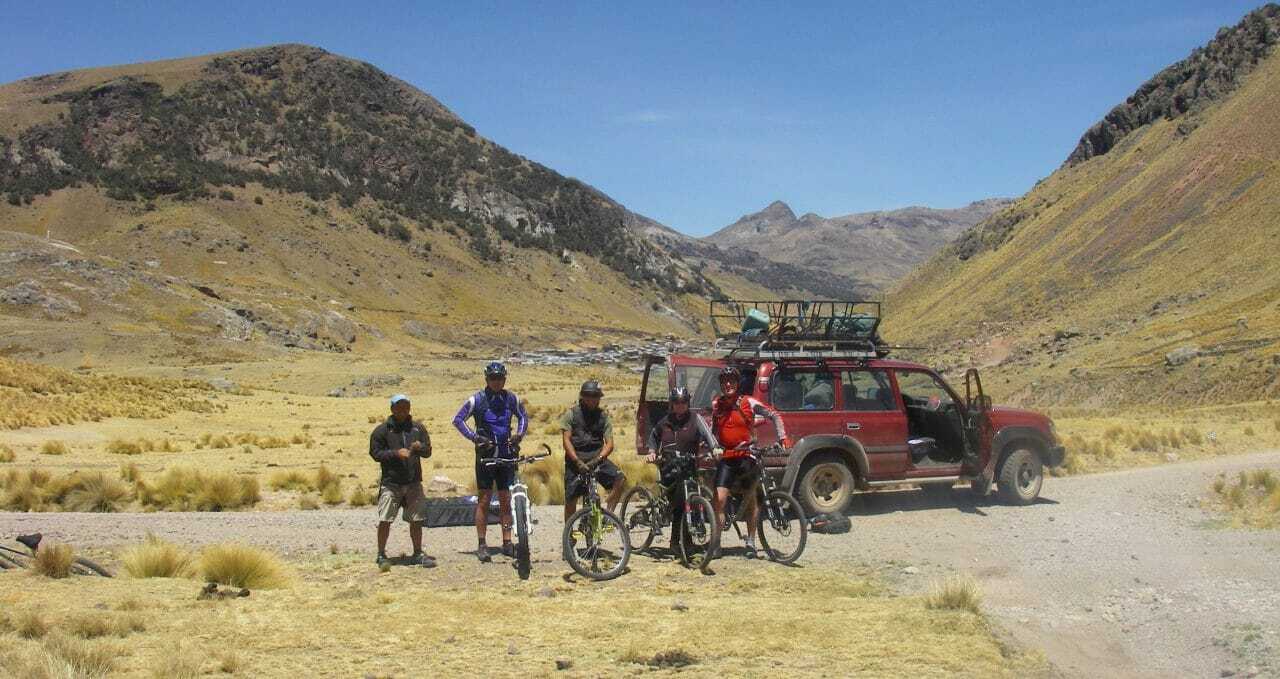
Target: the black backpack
(831, 524)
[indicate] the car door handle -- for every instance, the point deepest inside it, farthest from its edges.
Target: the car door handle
(852, 426)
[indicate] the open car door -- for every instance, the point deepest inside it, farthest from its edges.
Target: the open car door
(653, 398)
(978, 432)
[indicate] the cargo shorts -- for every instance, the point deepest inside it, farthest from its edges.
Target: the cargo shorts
(406, 498)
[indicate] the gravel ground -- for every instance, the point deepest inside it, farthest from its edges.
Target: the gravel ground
(1115, 574)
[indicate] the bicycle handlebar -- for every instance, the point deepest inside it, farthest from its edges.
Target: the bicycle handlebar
(526, 459)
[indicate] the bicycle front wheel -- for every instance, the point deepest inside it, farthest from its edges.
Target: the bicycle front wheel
(641, 517)
(782, 527)
(596, 543)
(520, 507)
(699, 532)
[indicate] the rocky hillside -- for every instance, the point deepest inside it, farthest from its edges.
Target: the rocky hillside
(293, 197)
(1142, 270)
(875, 248)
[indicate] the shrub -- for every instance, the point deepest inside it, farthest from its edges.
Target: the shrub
(6, 453)
(29, 625)
(326, 478)
(98, 493)
(957, 593)
(242, 566)
(54, 448)
(307, 502)
(546, 482)
(1248, 431)
(122, 447)
(130, 473)
(257, 200)
(53, 560)
(226, 194)
(360, 497)
(156, 558)
(70, 657)
(332, 494)
(292, 479)
(184, 489)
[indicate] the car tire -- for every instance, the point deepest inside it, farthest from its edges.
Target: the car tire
(826, 485)
(1020, 478)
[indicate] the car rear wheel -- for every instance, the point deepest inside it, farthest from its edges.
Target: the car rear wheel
(1020, 477)
(826, 485)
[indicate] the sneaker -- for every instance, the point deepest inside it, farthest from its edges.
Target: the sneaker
(750, 551)
(508, 550)
(482, 553)
(383, 562)
(420, 559)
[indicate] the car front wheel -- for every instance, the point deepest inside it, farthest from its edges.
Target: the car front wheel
(826, 485)
(1020, 477)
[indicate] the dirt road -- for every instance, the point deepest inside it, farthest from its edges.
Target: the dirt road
(1116, 574)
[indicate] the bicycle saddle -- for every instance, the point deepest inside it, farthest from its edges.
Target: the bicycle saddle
(31, 542)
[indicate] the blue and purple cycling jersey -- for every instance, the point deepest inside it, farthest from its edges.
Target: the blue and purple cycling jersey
(492, 413)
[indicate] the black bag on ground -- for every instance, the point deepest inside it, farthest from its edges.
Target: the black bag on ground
(455, 511)
(831, 524)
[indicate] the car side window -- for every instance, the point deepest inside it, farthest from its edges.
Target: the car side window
(866, 390)
(923, 390)
(803, 390)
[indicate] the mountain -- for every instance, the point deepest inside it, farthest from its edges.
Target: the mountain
(289, 197)
(876, 248)
(1143, 270)
(779, 278)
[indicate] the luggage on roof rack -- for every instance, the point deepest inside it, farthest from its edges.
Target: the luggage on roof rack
(783, 328)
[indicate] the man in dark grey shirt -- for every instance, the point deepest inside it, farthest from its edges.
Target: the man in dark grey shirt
(399, 444)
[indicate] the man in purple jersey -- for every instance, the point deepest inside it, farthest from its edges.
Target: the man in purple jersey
(491, 410)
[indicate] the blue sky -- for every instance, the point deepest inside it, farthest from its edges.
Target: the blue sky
(697, 113)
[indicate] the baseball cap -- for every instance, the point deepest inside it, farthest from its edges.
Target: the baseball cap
(398, 398)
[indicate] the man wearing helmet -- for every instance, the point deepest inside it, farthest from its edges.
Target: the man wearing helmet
(679, 431)
(587, 435)
(733, 418)
(491, 409)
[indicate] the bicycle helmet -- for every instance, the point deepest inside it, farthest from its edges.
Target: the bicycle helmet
(680, 395)
(728, 373)
(591, 388)
(495, 369)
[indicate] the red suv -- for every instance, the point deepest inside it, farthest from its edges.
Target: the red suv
(857, 419)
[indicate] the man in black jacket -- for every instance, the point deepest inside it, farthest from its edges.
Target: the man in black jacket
(399, 444)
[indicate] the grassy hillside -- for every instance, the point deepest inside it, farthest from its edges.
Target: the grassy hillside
(218, 207)
(1146, 274)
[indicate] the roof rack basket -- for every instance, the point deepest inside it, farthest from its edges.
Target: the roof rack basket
(799, 328)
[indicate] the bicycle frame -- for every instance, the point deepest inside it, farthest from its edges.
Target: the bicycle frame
(518, 488)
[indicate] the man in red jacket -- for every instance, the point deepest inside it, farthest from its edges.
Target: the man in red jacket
(733, 418)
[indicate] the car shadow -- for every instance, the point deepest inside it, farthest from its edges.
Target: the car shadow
(916, 499)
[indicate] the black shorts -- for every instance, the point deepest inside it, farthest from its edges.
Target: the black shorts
(494, 477)
(607, 474)
(737, 474)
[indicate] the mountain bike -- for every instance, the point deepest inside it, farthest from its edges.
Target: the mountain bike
(595, 543)
(645, 513)
(520, 502)
(12, 558)
(780, 524)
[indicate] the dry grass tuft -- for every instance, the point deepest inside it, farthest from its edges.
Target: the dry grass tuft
(122, 447)
(292, 479)
(54, 448)
(156, 558)
(64, 656)
(53, 560)
(242, 566)
(6, 453)
(96, 626)
(308, 503)
(1253, 501)
(185, 489)
(360, 497)
(30, 625)
(955, 593)
(98, 492)
(545, 479)
(130, 473)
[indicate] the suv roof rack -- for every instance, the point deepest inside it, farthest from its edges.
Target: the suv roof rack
(780, 329)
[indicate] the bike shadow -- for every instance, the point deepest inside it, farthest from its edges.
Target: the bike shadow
(917, 499)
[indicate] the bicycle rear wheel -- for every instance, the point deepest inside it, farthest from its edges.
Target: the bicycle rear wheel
(699, 532)
(83, 566)
(782, 527)
(596, 543)
(12, 558)
(640, 516)
(520, 507)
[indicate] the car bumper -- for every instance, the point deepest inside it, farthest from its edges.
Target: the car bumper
(1055, 456)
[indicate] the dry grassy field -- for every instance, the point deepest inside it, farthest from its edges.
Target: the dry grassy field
(337, 616)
